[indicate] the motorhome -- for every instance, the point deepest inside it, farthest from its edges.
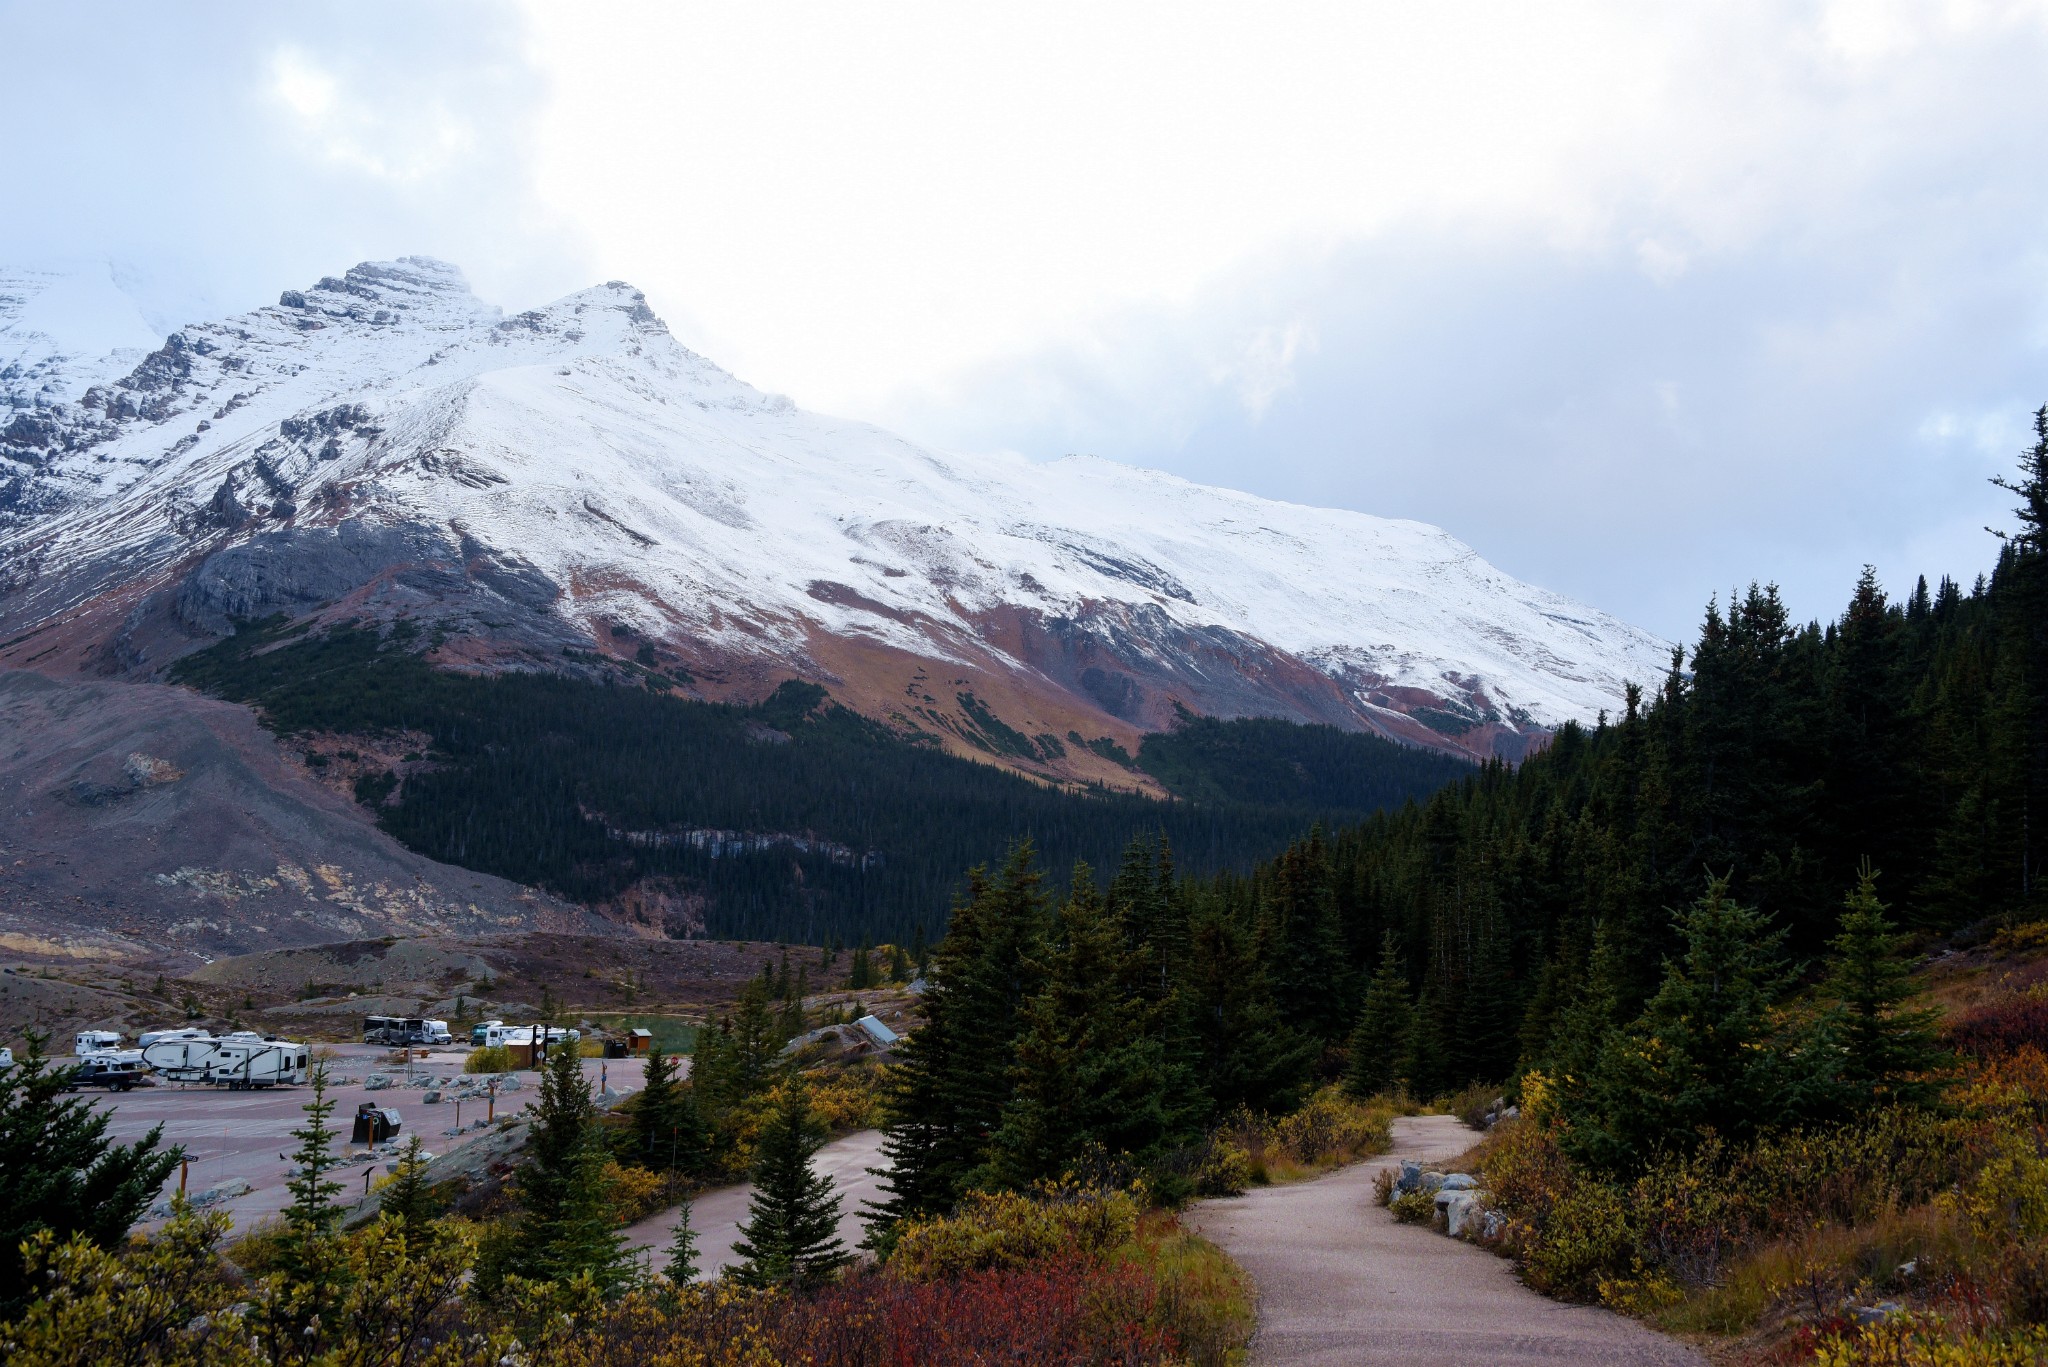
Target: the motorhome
(240, 1063)
(486, 1033)
(405, 1030)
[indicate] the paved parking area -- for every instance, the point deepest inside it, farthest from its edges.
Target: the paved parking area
(247, 1135)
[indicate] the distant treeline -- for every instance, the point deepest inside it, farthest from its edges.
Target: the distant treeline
(587, 788)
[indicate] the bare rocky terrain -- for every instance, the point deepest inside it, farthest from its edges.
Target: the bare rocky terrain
(140, 819)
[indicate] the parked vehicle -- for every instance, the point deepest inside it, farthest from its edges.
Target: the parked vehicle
(6, 1058)
(398, 1030)
(486, 1033)
(92, 1042)
(186, 1055)
(110, 1070)
(240, 1063)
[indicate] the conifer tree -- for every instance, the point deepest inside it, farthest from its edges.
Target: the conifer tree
(862, 974)
(791, 1234)
(60, 1172)
(1090, 1065)
(313, 1215)
(920, 952)
(565, 1228)
(1888, 1047)
(1426, 1067)
(312, 1267)
(952, 1078)
(681, 1267)
(1379, 1042)
(899, 965)
(1707, 1052)
(667, 1130)
(1237, 1049)
(756, 1052)
(409, 1197)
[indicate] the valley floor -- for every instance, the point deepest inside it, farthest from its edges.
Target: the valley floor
(1340, 1283)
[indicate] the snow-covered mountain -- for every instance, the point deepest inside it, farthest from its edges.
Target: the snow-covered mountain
(571, 483)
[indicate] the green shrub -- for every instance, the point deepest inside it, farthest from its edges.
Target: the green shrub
(492, 1058)
(1008, 1229)
(1414, 1208)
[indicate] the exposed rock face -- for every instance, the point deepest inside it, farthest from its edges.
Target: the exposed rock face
(135, 816)
(384, 445)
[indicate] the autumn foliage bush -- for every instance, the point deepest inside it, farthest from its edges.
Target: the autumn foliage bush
(2002, 1027)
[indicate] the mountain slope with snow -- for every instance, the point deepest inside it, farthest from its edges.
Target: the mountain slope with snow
(571, 488)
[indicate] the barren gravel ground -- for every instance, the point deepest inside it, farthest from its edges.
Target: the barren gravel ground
(1340, 1282)
(716, 1215)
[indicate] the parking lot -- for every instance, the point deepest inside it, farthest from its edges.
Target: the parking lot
(232, 1137)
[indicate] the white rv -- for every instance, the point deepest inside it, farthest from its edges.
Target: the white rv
(92, 1042)
(187, 1055)
(242, 1062)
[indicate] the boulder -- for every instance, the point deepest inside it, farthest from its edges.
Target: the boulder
(1430, 1182)
(1410, 1178)
(1459, 1181)
(1462, 1212)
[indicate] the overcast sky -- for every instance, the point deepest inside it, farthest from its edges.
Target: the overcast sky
(1642, 301)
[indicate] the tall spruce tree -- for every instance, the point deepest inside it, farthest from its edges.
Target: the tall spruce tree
(409, 1196)
(953, 1076)
(1233, 1043)
(565, 1227)
(791, 1234)
(1889, 1048)
(59, 1171)
(668, 1134)
(1379, 1041)
(1091, 1067)
(681, 1267)
(1708, 1051)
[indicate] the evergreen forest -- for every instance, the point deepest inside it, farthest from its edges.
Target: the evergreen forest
(794, 819)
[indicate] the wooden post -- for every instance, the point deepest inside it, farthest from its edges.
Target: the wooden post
(184, 1168)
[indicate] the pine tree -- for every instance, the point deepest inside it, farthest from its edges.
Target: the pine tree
(862, 975)
(681, 1267)
(1426, 1067)
(791, 1234)
(312, 1266)
(313, 1215)
(60, 1172)
(920, 952)
(1888, 1048)
(1090, 1065)
(1379, 1042)
(953, 1078)
(1234, 1043)
(1707, 1052)
(565, 1228)
(409, 1196)
(667, 1131)
(899, 965)
(756, 1051)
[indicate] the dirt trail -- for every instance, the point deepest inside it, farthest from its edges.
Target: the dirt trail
(1342, 1285)
(716, 1215)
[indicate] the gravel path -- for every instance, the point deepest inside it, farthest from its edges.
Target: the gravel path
(1340, 1283)
(717, 1214)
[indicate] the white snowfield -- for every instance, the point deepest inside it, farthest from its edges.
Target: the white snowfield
(661, 492)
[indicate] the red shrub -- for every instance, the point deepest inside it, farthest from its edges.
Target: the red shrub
(2002, 1027)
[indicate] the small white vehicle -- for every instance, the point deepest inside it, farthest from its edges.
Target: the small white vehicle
(6, 1058)
(435, 1032)
(486, 1033)
(244, 1062)
(92, 1042)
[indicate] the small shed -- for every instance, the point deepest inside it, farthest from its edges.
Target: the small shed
(638, 1042)
(882, 1035)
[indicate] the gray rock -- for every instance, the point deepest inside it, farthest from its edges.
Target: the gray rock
(376, 1082)
(1430, 1182)
(1459, 1181)
(1462, 1211)
(431, 1098)
(1410, 1178)
(1876, 1314)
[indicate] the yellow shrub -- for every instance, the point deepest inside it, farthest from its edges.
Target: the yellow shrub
(1584, 1238)
(1930, 1341)
(849, 1100)
(636, 1192)
(492, 1058)
(1009, 1229)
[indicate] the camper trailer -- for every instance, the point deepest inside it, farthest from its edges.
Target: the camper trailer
(242, 1062)
(92, 1042)
(188, 1055)
(484, 1034)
